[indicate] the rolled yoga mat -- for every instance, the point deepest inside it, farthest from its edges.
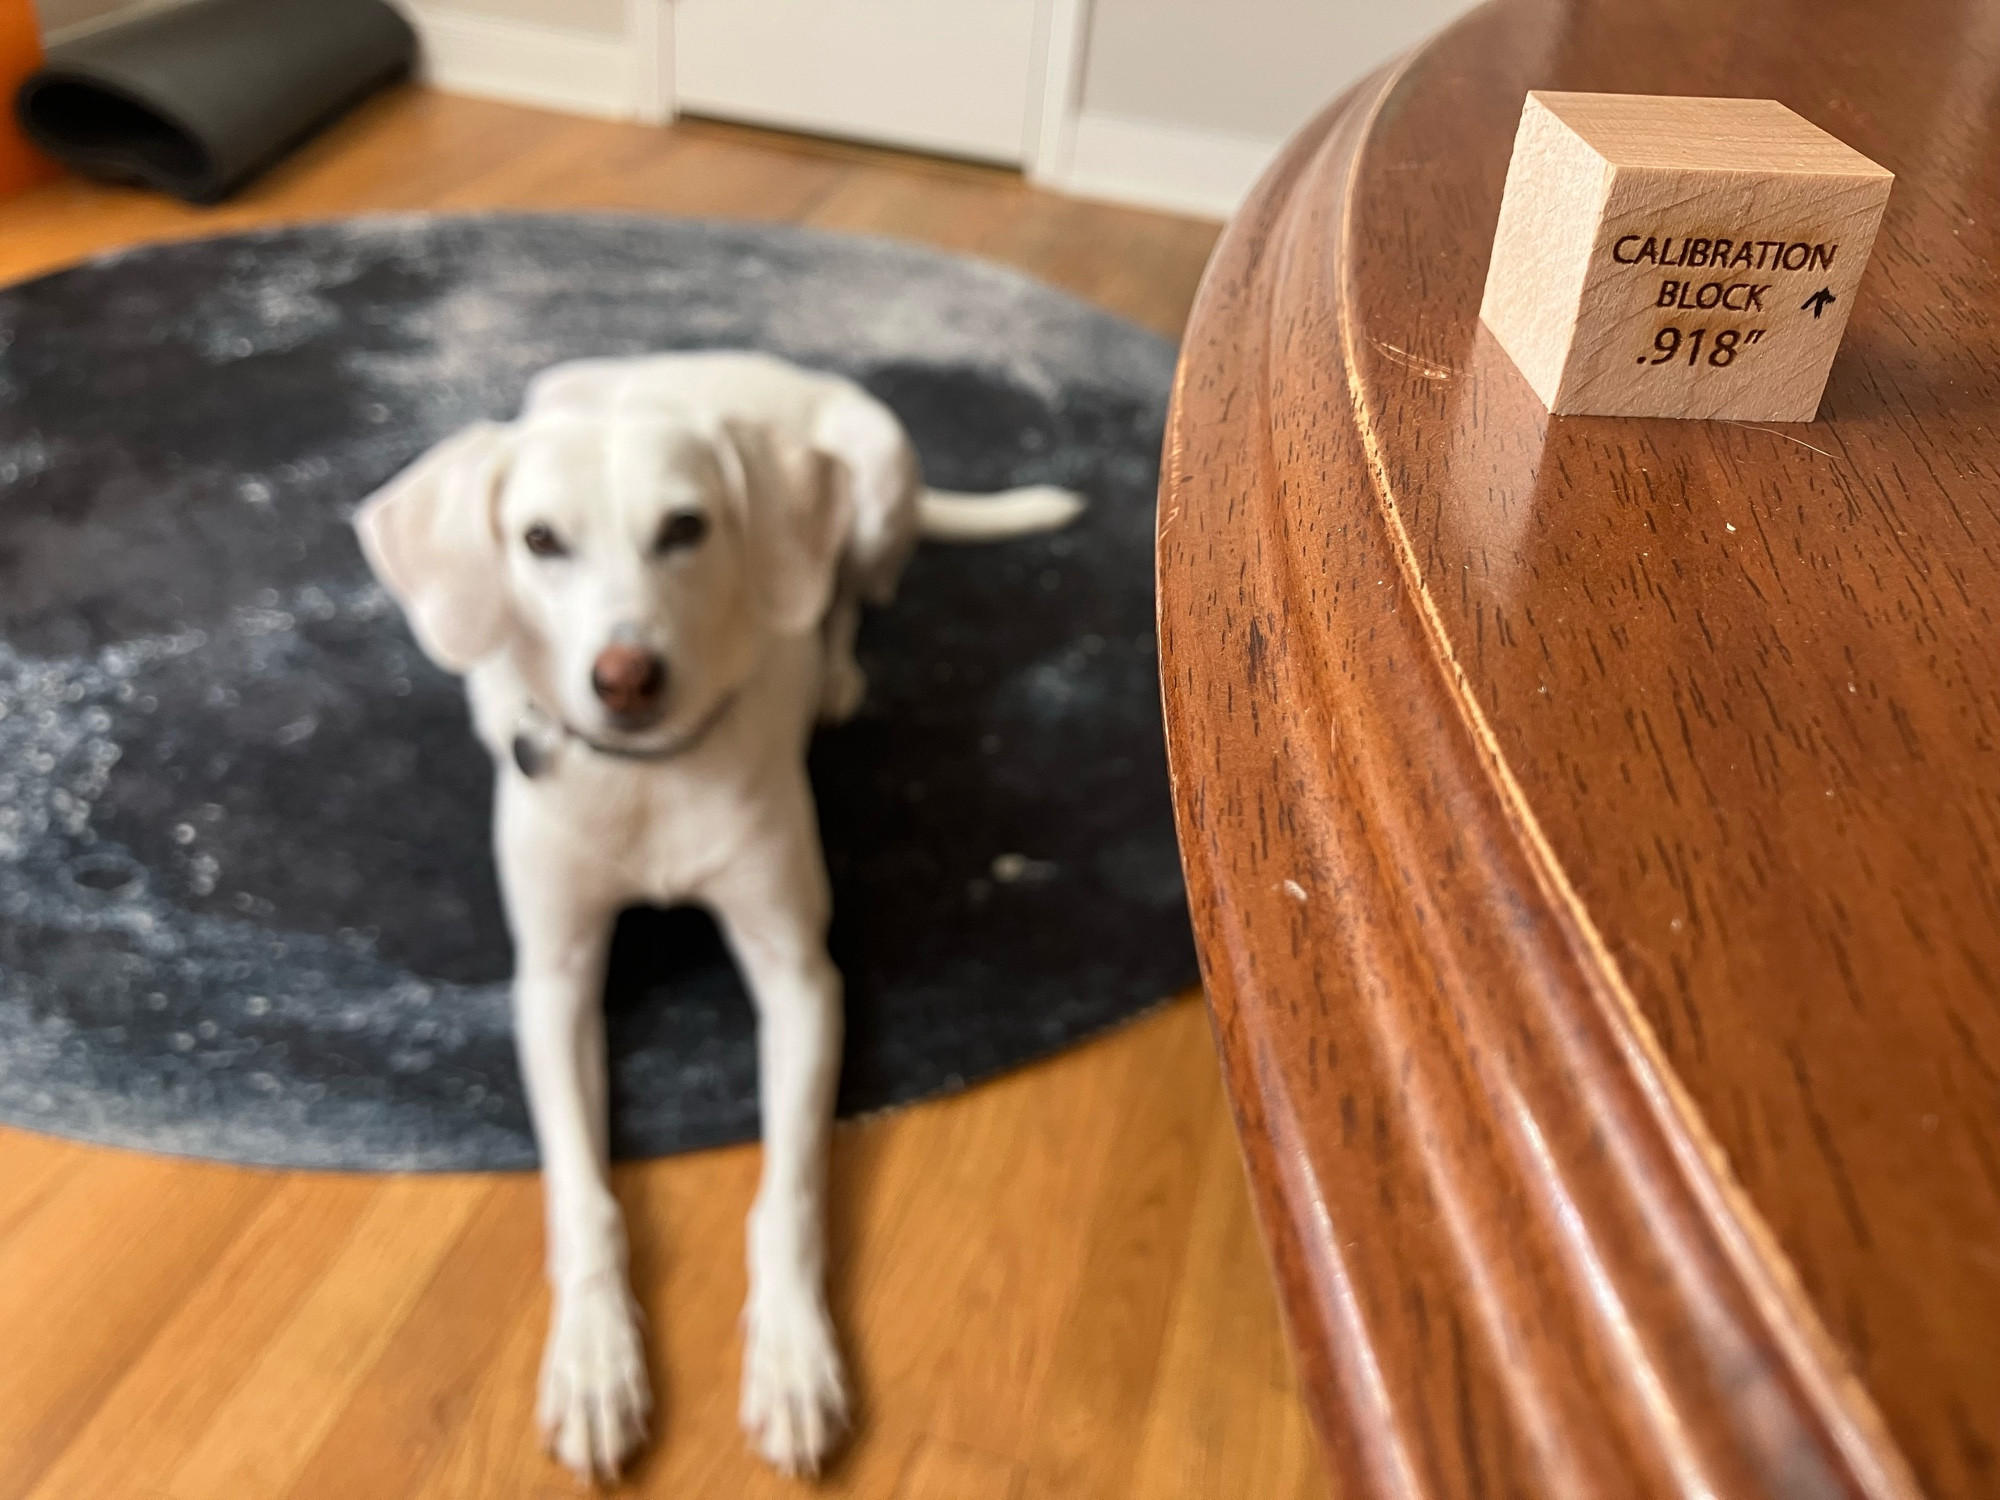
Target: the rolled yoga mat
(195, 100)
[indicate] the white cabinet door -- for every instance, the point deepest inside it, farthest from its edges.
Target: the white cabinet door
(953, 76)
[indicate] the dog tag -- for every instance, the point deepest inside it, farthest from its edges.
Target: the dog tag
(536, 740)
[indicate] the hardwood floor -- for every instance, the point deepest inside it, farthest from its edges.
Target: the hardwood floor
(1049, 1286)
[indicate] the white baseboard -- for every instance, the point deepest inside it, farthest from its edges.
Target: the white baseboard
(1206, 173)
(580, 72)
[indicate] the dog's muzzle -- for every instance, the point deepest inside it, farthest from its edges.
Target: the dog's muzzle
(630, 681)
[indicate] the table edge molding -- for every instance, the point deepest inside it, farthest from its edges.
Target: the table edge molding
(1737, 1298)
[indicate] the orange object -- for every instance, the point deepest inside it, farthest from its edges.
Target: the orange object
(21, 165)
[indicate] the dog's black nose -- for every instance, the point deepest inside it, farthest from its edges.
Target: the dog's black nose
(630, 679)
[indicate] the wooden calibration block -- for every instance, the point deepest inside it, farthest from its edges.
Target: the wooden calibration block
(1674, 257)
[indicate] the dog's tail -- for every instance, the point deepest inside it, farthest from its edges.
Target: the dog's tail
(947, 516)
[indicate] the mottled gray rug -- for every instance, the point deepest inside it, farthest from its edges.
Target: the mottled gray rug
(246, 905)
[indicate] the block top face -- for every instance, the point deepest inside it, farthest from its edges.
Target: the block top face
(1705, 135)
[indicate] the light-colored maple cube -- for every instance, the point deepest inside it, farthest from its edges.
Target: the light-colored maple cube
(1670, 257)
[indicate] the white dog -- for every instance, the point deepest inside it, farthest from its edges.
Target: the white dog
(651, 581)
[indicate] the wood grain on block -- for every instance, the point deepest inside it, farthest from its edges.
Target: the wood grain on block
(1677, 257)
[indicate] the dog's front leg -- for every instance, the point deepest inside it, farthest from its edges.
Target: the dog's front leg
(594, 1395)
(774, 904)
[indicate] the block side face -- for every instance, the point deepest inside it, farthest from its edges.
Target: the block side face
(1718, 294)
(1542, 245)
(1706, 134)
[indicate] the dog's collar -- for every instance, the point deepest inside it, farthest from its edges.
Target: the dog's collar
(537, 728)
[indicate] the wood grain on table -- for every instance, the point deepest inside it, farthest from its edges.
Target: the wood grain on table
(1593, 823)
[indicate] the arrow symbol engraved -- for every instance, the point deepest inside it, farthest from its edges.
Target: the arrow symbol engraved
(1818, 301)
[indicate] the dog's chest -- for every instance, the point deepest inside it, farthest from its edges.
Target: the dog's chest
(657, 831)
(666, 831)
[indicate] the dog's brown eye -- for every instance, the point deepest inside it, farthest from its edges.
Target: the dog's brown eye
(543, 542)
(683, 530)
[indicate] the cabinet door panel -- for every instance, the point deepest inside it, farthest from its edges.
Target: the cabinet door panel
(940, 75)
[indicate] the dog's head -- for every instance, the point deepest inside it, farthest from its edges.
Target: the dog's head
(633, 564)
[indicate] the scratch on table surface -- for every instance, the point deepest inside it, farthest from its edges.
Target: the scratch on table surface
(1411, 361)
(1785, 435)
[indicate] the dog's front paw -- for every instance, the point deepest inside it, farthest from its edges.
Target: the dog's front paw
(594, 1397)
(794, 1394)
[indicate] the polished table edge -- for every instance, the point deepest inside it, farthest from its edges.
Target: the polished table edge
(1526, 1166)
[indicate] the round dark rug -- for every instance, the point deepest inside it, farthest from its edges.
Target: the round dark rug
(247, 908)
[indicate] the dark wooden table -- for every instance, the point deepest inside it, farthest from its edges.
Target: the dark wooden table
(1593, 825)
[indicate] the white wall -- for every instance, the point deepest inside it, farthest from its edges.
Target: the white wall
(590, 57)
(1255, 68)
(1182, 103)
(598, 17)
(61, 18)
(60, 15)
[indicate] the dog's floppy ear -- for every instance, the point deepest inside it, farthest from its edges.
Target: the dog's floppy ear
(796, 516)
(432, 536)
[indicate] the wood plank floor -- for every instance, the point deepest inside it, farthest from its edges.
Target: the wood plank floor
(1050, 1286)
